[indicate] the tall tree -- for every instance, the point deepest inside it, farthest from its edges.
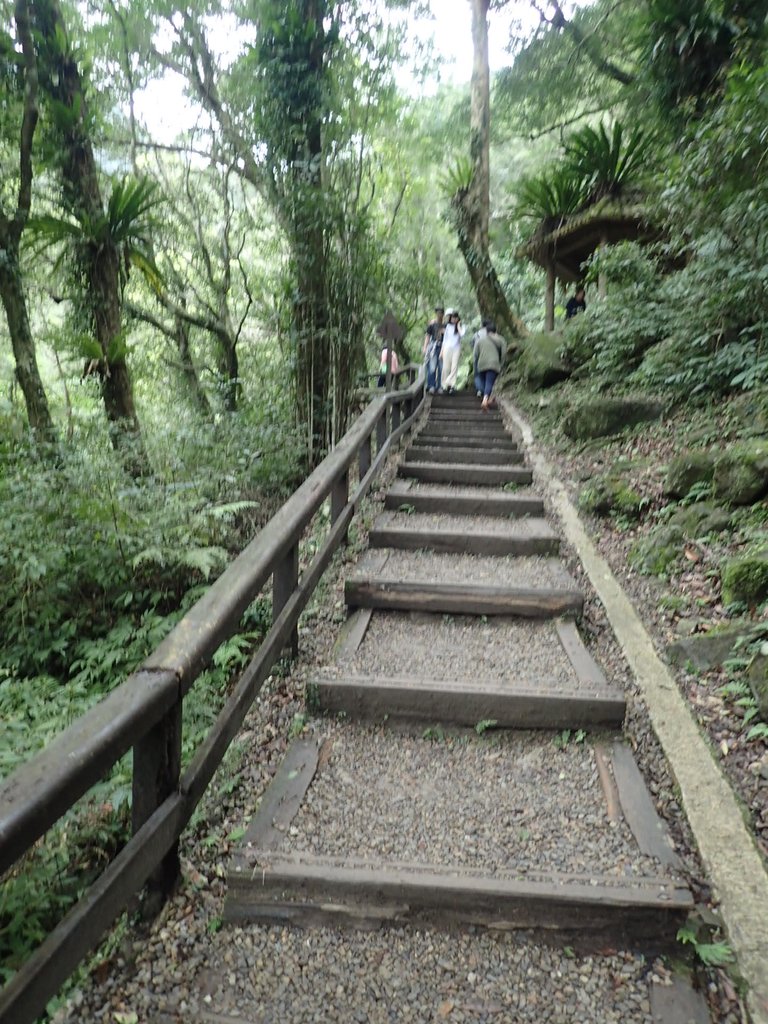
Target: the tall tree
(284, 114)
(12, 228)
(471, 201)
(104, 233)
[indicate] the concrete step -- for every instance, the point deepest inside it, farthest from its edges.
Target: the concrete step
(451, 473)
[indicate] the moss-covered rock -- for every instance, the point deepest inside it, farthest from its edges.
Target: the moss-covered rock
(745, 580)
(708, 650)
(688, 469)
(541, 363)
(758, 680)
(741, 473)
(611, 494)
(700, 519)
(653, 555)
(600, 417)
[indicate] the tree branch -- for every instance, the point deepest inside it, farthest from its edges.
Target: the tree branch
(558, 21)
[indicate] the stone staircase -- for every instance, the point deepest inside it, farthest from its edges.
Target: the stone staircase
(470, 769)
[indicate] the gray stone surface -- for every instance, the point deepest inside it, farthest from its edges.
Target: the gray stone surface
(600, 417)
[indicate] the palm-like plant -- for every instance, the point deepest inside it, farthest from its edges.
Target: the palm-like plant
(127, 224)
(550, 196)
(606, 163)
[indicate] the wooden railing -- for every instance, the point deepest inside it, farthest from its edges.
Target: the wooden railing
(144, 712)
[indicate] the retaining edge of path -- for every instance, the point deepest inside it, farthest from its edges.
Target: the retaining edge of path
(727, 848)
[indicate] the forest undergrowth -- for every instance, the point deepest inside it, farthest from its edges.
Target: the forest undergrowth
(672, 553)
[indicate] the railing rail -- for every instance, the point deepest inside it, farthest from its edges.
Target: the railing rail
(144, 712)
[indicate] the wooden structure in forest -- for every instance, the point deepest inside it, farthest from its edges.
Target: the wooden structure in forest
(562, 248)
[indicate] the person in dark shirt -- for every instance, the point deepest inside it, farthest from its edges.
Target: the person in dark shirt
(575, 304)
(433, 344)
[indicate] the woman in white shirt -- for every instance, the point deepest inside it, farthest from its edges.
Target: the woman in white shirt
(451, 354)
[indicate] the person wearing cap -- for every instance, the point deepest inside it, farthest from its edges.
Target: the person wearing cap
(433, 344)
(454, 332)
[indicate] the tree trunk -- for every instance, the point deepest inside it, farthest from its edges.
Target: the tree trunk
(27, 372)
(188, 369)
(308, 222)
(229, 370)
(101, 258)
(11, 230)
(471, 205)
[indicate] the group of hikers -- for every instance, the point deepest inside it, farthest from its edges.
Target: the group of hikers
(442, 352)
(442, 355)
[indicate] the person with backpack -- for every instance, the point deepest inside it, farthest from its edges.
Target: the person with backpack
(478, 380)
(490, 351)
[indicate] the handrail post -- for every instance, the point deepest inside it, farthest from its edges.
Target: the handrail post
(395, 415)
(285, 578)
(382, 428)
(364, 457)
(340, 497)
(156, 771)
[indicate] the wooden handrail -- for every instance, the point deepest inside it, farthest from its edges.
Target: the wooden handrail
(144, 712)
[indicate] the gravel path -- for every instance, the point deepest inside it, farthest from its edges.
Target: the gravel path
(461, 647)
(285, 976)
(506, 571)
(498, 803)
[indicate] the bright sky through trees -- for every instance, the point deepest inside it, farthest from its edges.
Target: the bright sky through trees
(165, 112)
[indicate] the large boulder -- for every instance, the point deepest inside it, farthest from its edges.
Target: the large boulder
(686, 470)
(541, 363)
(741, 473)
(601, 417)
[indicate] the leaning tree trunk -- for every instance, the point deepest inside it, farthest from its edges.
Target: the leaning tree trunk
(27, 372)
(471, 205)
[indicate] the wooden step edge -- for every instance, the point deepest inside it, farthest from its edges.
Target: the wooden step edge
(495, 444)
(446, 472)
(285, 887)
(529, 704)
(461, 599)
(458, 542)
(463, 456)
(463, 504)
